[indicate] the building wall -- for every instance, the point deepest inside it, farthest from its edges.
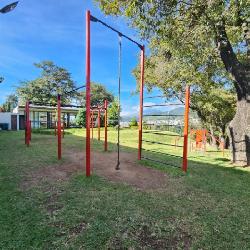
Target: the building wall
(5, 117)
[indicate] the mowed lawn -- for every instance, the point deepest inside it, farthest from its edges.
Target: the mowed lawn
(207, 208)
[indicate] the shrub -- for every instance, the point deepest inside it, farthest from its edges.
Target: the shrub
(133, 122)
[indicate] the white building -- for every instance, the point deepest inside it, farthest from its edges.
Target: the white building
(45, 116)
(9, 121)
(40, 117)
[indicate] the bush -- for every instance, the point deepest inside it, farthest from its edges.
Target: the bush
(81, 118)
(113, 113)
(133, 122)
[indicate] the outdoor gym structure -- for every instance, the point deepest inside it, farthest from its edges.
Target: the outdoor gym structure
(59, 127)
(89, 19)
(182, 127)
(201, 137)
(97, 112)
(90, 111)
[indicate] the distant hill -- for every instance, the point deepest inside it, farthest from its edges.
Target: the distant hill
(176, 111)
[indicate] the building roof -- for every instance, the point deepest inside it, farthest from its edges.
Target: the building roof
(46, 109)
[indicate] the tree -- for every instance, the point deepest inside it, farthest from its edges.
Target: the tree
(53, 80)
(81, 118)
(133, 122)
(10, 103)
(99, 94)
(201, 43)
(216, 109)
(113, 113)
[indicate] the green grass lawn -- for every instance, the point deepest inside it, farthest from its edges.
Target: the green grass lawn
(207, 208)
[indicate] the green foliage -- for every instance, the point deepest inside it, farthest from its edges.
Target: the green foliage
(113, 113)
(133, 122)
(81, 118)
(99, 94)
(185, 43)
(10, 103)
(216, 109)
(53, 80)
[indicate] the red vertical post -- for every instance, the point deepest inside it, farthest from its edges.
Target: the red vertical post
(28, 123)
(25, 113)
(59, 128)
(88, 93)
(186, 121)
(141, 102)
(106, 126)
(99, 124)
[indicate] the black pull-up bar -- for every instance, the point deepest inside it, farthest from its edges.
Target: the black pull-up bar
(74, 90)
(94, 19)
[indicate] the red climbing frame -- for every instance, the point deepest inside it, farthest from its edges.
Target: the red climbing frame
(106, 126)
(59, 128)
(89, 18)
(88, 93)
(141, 103)
(100, 109)
(185, 128)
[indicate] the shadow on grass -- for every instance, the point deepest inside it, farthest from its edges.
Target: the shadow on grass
(210, 202)
(204, 172)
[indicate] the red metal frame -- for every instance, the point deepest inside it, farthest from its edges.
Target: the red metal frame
(25, 113)
(88, 156)
(141, 102)
(59, 129)
(186, 125)
(106, 126)
(88, 114)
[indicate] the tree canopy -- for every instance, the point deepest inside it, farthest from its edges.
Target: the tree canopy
(99, 94)
(10, 103)
(53, 80)
(113, 113)
(200, 43)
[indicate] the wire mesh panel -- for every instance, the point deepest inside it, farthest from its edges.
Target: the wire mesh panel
(165, 132)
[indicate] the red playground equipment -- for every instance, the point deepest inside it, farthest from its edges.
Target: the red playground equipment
(89, 19)
(59, 124)
(185, 127)
(90, 111)
(201, 138)
(96, 113)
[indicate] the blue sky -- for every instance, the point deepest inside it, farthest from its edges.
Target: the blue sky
(55, 30)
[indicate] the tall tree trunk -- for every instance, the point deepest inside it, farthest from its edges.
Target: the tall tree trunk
(239, 131)
(239, 128)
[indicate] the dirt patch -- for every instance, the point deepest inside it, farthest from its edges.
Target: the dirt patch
(70, 232)
(181, 240)
(103, 164)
